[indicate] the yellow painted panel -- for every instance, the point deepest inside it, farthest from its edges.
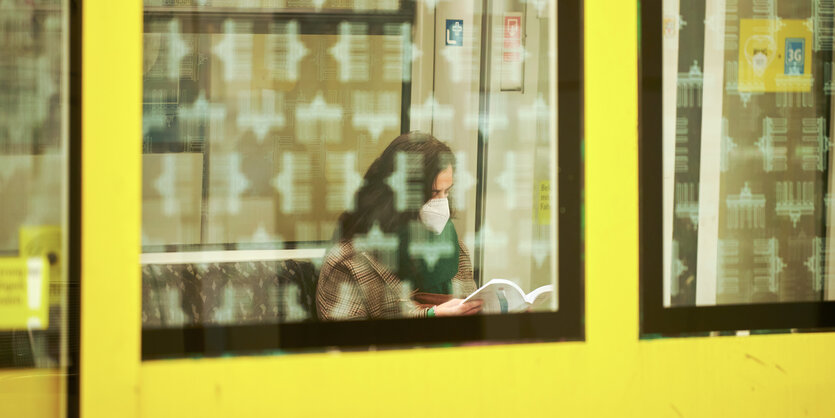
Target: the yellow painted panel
(111, 202)
(32, 393)
(762, 376)
(612, 374)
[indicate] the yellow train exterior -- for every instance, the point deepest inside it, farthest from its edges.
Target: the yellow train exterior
(612, 373)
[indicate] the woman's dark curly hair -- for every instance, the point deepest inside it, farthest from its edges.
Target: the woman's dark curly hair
(376, 202)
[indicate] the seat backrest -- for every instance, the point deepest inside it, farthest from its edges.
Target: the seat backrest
(229, 293)
(300, 277)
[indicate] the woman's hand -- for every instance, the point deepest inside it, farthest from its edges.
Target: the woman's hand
(455, 307)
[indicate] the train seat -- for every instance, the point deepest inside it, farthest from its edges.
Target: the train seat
(253, 292)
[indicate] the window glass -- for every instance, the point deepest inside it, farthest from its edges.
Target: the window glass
(746, 154)
(316, 161)
(262, 133)
(33, 185)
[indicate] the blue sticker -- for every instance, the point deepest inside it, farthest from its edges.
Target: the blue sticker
(454, 32)
(795, 56)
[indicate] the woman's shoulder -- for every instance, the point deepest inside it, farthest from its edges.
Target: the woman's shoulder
(344, 256)
(341, 253)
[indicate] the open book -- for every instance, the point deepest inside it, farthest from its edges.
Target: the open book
(503, 296)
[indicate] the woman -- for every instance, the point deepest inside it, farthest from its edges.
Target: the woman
(398, 253)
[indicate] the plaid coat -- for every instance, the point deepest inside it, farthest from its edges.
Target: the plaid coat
(354, 285)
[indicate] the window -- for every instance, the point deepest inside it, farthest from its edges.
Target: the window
(280, 212)
(735, 232)
(39, 245)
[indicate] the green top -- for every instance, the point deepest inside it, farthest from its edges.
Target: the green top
(428, 260)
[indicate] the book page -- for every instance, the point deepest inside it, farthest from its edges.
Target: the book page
(500, 296)
(540, 297)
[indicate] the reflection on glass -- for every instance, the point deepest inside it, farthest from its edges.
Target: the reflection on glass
(747, 162)
(278, 184)
(33, 109)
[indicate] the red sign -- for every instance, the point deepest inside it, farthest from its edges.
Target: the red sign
(512, 39)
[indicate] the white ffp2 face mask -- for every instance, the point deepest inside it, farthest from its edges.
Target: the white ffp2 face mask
(435, 214)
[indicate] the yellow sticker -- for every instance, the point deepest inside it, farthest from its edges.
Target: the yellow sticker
(45, 241)
(23, 293)
(544, 205)
(775, 55)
